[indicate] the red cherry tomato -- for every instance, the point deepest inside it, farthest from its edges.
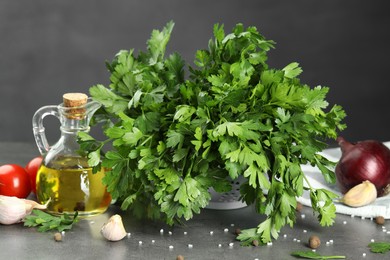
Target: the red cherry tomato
(32, 169)
(14, 181)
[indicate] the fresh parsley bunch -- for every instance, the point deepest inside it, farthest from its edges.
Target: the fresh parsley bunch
(172, 137)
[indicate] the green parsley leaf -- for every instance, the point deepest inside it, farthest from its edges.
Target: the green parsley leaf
(158, 41)
(46, 222)
(379, 247)
(292, 70)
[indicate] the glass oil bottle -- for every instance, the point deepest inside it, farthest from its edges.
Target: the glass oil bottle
(64, 177)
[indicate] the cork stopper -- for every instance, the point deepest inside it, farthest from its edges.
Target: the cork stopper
(76, 100)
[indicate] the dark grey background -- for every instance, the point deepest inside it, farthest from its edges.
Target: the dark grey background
(49, 47)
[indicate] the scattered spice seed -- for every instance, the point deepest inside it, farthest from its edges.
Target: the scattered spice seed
(299, 207)
(255, 242)
(314, 242)
(80, 206)
(380, 220)
(237, 231)
(57, 237)
(180, 257)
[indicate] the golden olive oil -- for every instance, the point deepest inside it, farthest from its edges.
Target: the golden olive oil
(72, 186)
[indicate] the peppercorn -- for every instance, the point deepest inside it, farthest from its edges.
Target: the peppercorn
(380, 220)
(237, 231)
(314, 242)
(299, 207)
(57, 237)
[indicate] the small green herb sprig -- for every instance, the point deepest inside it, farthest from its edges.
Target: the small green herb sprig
(379, 247)
(172, 138)
(314, 255)
(46, 222)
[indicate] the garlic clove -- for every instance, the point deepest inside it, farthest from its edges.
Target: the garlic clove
(13, 209)
(360, 195)
(114, 230)
(30, 205)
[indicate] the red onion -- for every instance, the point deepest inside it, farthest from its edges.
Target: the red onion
(365, 160)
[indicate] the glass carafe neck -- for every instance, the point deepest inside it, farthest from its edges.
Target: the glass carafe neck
(73, 120)
(73, 125)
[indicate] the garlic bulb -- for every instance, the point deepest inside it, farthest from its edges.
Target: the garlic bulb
(13, 209)
(114, 230)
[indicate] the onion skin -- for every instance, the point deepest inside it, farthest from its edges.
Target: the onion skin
(365, 160)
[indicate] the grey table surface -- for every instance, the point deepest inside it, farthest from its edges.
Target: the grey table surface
(209, 235)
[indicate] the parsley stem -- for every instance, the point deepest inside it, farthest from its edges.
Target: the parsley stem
(191, 167)
(307, 181)
(146, 140)
(314, 255)
(106, 141)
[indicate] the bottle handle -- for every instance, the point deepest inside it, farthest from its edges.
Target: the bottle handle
(39, 129)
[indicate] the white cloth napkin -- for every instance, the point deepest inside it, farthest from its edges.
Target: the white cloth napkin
(381, 206)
